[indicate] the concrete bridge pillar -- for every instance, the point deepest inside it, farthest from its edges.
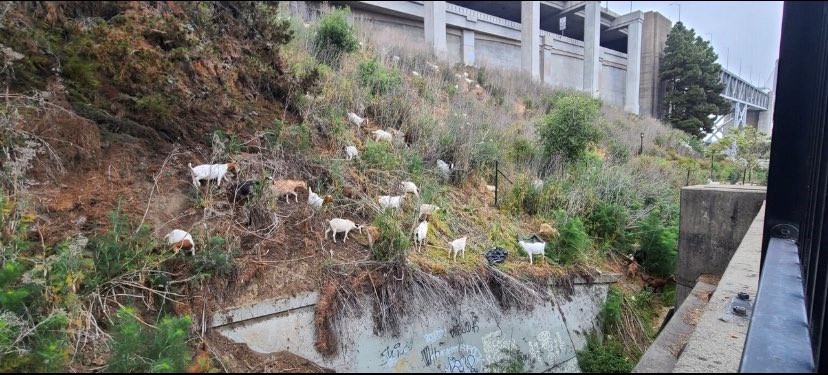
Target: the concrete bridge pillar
(468, 47)
(434, 21)
(530, 38)
(592, 47)
(633, 66)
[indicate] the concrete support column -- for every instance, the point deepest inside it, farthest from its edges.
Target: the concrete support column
(530, 38)
(434, 19)
(468, 47)
(592, 47)
(633, 66)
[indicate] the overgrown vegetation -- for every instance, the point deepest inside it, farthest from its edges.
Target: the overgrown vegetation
(138, 348)
(243, 81)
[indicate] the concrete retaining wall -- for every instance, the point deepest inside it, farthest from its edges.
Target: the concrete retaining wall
(469, 340)
(714, 219)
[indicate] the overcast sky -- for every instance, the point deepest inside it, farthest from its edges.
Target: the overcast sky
(749, 30)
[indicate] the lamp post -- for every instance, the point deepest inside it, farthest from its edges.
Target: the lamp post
(679, 10)
(641, 148)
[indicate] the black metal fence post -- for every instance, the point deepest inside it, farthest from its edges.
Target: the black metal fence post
(497, 172)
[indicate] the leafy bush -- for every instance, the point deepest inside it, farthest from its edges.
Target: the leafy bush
(658, 246)
(607, 221)
(602, 358)
(121, 249)
(334, 37)
(393, 241)
(611, 313)
(569, 129)
(272, 136)
(137, 348)
(215, 260)
(522, 151)
(230, 142)
(377, 78)
(572, 240)
(379, 155)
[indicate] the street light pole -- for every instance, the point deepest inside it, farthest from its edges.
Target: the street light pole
(679, 10)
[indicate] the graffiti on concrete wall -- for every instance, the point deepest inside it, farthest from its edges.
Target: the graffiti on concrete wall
(392, 353)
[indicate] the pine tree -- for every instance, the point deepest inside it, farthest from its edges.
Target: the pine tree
(691, 74)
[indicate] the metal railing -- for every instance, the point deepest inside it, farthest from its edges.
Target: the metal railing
(787, 331)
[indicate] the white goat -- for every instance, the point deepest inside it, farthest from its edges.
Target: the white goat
(409, 187)
(351, 151)
(533, 248)
(458, 246)
(180, 239)
(356, 120)
(395, 58)
(432, 66)
(414, 73)
(380, 134)
(445, 168)
(386, 201)
(211, 172)
(427, 209)
(491, 188)
(420, 234)
(468, 81)
(341, 225)
(315, 201)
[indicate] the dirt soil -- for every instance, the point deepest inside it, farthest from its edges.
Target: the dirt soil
(239, 358)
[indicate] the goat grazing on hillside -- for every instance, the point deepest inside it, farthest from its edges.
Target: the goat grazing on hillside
(341, 225)
(180, 239)
(386, 201)
(211, 172)
(427, 209)
(409, 187)
(351, 152)
(286, 187)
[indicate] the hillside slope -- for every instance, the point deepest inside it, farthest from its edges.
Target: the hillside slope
(107, 104)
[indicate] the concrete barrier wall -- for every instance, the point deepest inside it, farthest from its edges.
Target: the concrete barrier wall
(467, 340)
(714, 219)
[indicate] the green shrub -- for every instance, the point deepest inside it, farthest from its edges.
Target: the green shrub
(215, 260)
(137, 348)
(155, 104)
(379, 155)
(522, 151)
(607, 221)
(377, 78)
(603, 358)
(571, 242)
(121, 249)
(611, 313)
(334, 37)
(569, 128)
(393, 241)
(658, 246)
(272, 136)
(618, 152)
(231, 142)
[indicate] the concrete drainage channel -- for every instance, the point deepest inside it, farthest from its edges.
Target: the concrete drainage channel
(475, 339)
